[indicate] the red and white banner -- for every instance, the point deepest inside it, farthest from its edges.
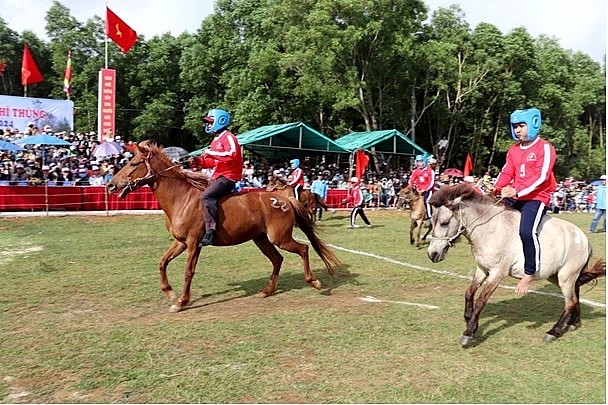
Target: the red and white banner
(106, 116)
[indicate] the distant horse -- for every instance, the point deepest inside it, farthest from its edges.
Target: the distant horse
(492, 228)
(307, 197)
(266, 218)
(417, 213)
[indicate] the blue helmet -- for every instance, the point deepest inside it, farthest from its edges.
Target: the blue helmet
(530, 117)
(295, 163)
(216, 120)
(421, 158)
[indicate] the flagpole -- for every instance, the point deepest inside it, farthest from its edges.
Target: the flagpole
(106, 21)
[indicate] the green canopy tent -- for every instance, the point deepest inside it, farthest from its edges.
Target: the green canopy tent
(388, 141)
(286, 141)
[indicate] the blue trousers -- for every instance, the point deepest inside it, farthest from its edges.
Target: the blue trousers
(599, 213)
(426, 195)
(532, 212)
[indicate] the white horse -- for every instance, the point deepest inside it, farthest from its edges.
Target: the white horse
(492, 228)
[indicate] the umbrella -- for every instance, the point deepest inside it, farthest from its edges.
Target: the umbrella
(42, 139)
(107, 149)
(4, 145)
(175, 152)
(453, 172)
(597, 182)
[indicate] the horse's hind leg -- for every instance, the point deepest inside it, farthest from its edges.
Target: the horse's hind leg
(175, 250)
(286, 242)
(275, 257)
(572, 309)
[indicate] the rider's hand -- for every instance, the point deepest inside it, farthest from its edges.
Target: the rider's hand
(508, 191)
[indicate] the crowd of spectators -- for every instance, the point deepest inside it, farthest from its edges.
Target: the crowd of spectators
(73, 164)
(77, 164)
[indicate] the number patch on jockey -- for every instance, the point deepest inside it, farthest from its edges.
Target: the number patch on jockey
(280, 204)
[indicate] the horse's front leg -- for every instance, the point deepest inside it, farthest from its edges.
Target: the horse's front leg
(419, 224)
(174, 250)
(469, 295)
(473, 323)
(412, 227)
(193, 253)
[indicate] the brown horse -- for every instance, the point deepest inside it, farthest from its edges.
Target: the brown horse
(417, 213)
(307, 197)
(266, 218)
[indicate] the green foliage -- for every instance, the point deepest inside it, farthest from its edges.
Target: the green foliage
(337, 65)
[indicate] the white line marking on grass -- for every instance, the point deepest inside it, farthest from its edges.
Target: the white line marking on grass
(369, 298)
(451, 274)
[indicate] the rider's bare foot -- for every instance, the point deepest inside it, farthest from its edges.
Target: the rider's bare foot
(524, 284)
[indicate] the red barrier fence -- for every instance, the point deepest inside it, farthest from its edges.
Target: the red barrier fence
(91, 198)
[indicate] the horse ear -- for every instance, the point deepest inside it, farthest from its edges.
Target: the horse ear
(453, 204)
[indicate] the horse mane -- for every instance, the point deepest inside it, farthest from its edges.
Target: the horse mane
(279, 181)
(466, 192)
(197, 180)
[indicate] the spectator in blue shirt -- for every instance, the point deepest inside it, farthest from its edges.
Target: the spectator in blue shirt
(319, 187)
(600, 205)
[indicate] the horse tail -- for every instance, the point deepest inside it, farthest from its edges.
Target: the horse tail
(320, 201)
(591, 274)
(307, 225)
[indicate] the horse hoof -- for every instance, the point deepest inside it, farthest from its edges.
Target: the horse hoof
(549, 338)
(262, 294)
(175, 309)
(466, 341)
(316, 284)
(571, 328)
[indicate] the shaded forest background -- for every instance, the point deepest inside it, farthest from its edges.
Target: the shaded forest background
(336, 65)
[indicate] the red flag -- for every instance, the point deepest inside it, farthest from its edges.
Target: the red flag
(29, 71)
(361, 161)
(119, 32)
(67, 78)
(468, 166)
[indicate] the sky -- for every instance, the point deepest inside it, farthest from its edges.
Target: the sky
(579, 25)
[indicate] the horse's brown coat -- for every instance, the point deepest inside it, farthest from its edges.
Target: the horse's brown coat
(417, 214)
(266, 218)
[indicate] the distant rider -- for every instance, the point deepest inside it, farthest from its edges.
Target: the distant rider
(225, 156)
(297, 178)
(423, 180)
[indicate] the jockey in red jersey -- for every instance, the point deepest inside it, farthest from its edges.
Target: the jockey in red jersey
(526, 182)
(297, 178)
(224, 154)
(423, 180)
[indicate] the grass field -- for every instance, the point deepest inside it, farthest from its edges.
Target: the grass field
(83, 321)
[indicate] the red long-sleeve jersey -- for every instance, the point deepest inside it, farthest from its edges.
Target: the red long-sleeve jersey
(422, 179)
(297, 177)
(225, 155)
(529, 169)
(356, 196)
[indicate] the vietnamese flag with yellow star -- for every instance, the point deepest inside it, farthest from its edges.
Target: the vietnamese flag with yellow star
(118, 31)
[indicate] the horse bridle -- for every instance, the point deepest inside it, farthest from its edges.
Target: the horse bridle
(133, 184)
(462, 228)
